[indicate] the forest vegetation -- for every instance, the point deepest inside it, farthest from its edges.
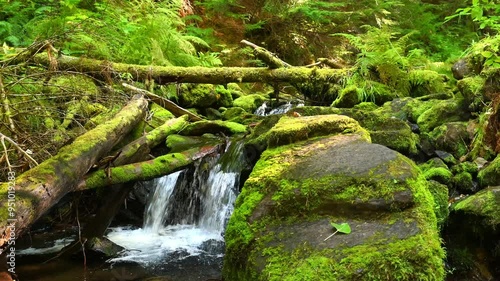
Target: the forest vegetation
(379, 51)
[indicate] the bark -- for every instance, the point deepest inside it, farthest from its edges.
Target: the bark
(165, 103)
(36, 191)
(106, 71)
(146, 170)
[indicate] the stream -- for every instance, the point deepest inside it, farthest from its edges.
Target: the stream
(181, 237)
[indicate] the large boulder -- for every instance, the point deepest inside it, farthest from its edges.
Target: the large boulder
(283, 215)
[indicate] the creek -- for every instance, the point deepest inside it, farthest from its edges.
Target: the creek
(182, 236)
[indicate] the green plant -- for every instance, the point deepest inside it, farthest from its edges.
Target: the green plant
(342, 228)
(486, 13)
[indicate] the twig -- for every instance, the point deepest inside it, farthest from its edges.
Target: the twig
(4, 137)
(6, 154)
(330, 235)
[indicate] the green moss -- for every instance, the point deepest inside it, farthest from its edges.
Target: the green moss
(440, 195)
(159, 115)
(485, 204)
(472, 93)
(489, 176)
(233, 112)
(223, 96)
(289, 129)
(441, 112)
(414, 108)
(249, 102)
(214, 127)
(198, 95)
(451, 137)
(463, 182)
(348, 97)
(425, 82)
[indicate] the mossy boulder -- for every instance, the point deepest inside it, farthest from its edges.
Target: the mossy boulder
(425, 82)
(348, 97)
(490, 175)
(294, 129)
(250, 102)
(442, 111)
(178, 143)
(383, 126)
(204, 95)
(213, 127)
(471, 89)
(283, 215)
(436, 169)
(233, 112)
(451, 137)
(485, 205)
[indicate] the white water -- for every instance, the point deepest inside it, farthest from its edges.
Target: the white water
(284, 108)
(156, 243)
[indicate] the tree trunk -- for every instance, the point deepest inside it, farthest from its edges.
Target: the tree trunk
(146, 170)
(106, 71)
(29, 196)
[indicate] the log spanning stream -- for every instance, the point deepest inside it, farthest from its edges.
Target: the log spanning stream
(182, 237)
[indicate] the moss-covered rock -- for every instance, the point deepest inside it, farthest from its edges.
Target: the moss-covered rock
(293, 129)
(440, 194)
(249, 102)
(283, 215)
(68, 87)
(436, 169)
(490, 175)
(384, 128)
(485, 204)
(233, 112)
(178, 143)
(451, 137)
(213, 127)
(463, 182)
(441, 112)
(425, 82)
(472, 93)
(348, 97)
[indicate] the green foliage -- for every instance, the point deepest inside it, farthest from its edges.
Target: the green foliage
(142, 31)
(486, 13)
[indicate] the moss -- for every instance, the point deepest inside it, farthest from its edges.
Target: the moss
(490, 175)
(442, 175)
(484, 204)
(440, 195)
(290, 129)
(471, 90)
(67, 86)
(368, 106)
(233, 112)
(198, 95)
(249, 102)
(441, 112)
(214, 127)
(425, 82)
(159, 115)
(451, 137)
(223, 96)
(348, 97)
(414, 108)
(254, 250)
(463, 182)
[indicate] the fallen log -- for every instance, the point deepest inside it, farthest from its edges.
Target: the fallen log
(26, 198)
(146, 170)
(106, 70)
(267, 57)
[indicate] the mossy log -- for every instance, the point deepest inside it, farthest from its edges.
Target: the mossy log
(267, 57)
(27, 197)
(146, 170)
(106, 70)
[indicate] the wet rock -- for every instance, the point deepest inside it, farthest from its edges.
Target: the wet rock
(284, 211)
(460, 69)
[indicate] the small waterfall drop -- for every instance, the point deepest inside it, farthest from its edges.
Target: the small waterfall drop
(261, 110)
(186, 214)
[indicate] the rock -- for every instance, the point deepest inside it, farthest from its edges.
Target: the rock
(383, 127)
(348, 97)
(293, 129)
(484, 205)
(472, 93)
(442, 111)
(283, 215)
(212, 114)
(436, 169)
(233, 112)
(249, 102)
(451, 137)
(425, 82)
(490, 174)
(204, 95)
(460, 69)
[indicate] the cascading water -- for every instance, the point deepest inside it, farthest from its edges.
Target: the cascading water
(186, 214)
(284, 108)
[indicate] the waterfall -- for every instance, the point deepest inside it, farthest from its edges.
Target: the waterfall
(186, 213)
(154, 218)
